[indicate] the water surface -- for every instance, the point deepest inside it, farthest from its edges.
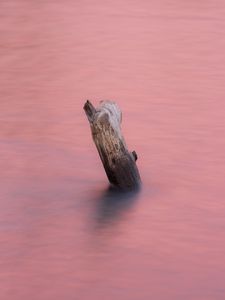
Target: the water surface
(63, 234)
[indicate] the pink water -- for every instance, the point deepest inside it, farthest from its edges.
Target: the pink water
(62, 236)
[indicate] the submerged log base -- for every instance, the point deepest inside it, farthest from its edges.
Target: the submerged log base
(119, 163)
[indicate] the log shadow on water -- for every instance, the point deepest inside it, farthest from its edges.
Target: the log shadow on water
(112, 203)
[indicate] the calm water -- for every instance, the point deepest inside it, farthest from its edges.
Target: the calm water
(63, 235)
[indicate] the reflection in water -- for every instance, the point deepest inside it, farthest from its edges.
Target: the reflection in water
(112, 203)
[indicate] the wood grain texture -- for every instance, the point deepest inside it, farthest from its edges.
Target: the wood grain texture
(119, 164)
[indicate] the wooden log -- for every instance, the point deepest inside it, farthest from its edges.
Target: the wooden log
(119, 163)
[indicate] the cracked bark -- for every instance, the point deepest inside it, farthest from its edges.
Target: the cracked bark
(119, 164)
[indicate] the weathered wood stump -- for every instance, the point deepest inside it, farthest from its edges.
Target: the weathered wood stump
(119, 163)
